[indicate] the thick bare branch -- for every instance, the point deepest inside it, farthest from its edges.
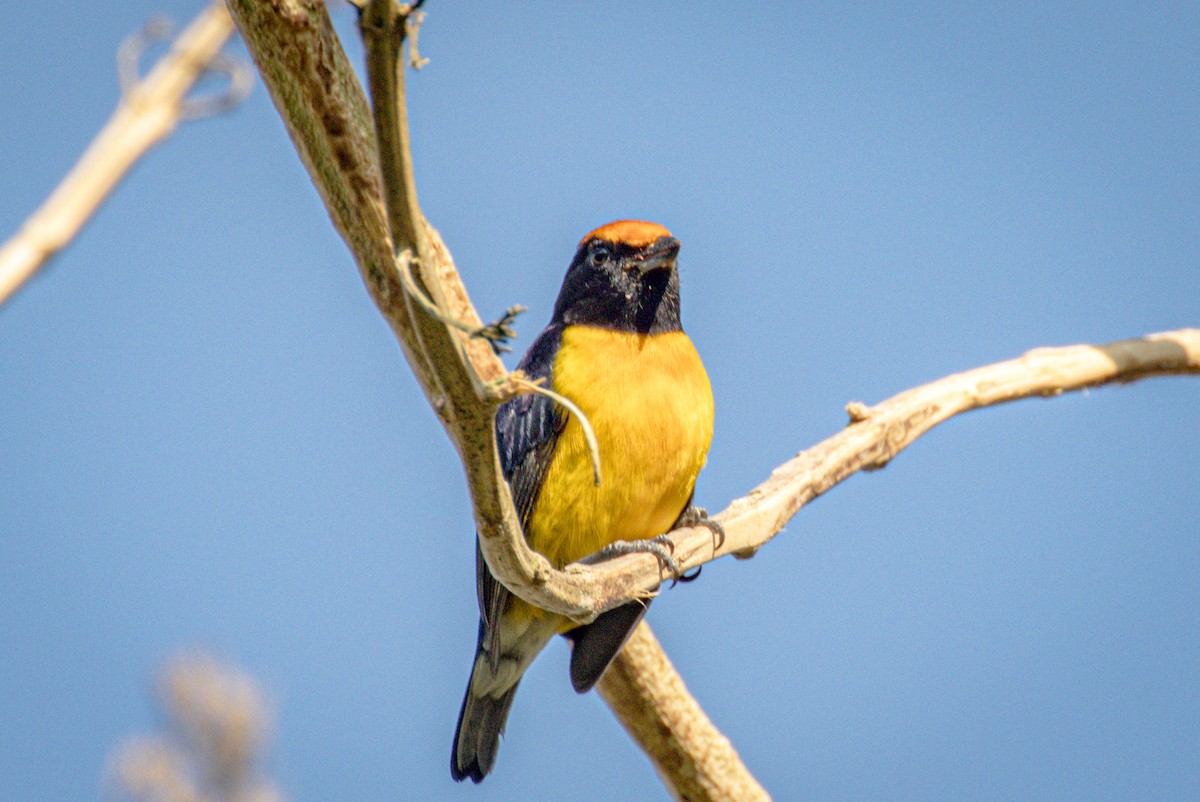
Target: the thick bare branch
(324, 109)
(318, 96)
(695, 761)
(323, 106)
(311, 83)
(147, 114)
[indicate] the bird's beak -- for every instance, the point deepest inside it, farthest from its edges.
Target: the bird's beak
(657, 256)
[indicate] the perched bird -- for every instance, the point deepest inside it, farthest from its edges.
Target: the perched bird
(616, 348)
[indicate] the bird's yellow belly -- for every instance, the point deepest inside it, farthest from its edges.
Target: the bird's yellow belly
(650, 404)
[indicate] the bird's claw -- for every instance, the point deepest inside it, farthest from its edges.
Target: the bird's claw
(499, 332)
(698, 516)
(662, 547)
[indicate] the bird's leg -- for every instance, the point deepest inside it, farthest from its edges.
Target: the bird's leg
(661, 547)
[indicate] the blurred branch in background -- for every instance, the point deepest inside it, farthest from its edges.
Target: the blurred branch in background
(217, 730)
(147, 113)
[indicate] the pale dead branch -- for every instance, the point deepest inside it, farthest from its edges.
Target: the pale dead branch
(877, 434)
(147, 113)
(371, 198)
(693, 759)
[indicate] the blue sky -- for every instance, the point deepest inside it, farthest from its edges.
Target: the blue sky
(209, 438)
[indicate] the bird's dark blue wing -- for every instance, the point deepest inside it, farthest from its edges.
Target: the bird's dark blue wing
(527, 428)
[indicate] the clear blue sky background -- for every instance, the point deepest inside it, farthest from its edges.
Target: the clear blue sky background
(208, 436)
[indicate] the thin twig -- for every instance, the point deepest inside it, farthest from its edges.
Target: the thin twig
(497, 333)
(412, 23)
(147, 113)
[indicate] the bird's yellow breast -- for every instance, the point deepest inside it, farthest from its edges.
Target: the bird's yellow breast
(650, 404)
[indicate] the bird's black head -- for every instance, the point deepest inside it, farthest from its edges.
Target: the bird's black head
(623, 277)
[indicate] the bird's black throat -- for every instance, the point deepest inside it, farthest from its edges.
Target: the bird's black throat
(619, 297)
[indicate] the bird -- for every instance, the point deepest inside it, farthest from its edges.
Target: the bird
(615, 347)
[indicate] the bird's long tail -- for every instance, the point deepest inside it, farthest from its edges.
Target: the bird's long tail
(480, 724)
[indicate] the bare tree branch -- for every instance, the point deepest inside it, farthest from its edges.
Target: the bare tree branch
(324, 109)
(322, 106)
(147, 113)
(693, 759)
(370, 199)
(877, 434)
(642, 689)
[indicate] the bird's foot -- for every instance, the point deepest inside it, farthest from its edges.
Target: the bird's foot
(698, 516)
(661, 547)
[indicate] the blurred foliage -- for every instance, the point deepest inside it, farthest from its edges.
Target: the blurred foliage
(216, 733)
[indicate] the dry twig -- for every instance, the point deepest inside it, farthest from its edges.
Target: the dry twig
(147, 113)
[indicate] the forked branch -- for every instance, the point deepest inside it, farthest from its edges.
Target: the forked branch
(646, 695)
(327, 114)
(372, 201)
(370, 195)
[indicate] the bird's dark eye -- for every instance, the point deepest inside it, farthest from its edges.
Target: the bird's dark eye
(599, 256)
